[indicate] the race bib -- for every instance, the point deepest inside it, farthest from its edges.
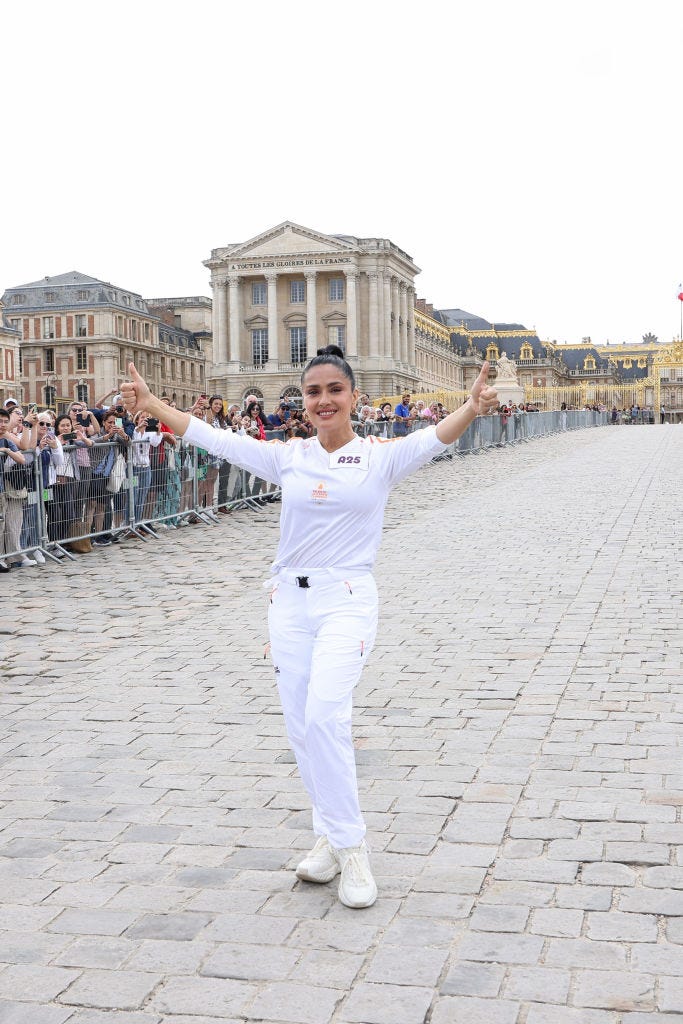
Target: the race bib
(355, 460)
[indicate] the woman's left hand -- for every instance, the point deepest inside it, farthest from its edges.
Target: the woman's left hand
(483, 397)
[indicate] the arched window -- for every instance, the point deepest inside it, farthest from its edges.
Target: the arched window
(293, 396)
(492, 352)
(256, 392)
(526, 352)
(589, 363)
(82, 393)
(50, 396)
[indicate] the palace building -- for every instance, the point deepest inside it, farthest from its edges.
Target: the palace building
(10, 383)
(280, 296)
(78, 335)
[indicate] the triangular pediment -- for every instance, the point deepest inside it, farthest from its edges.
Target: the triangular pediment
(289, 239)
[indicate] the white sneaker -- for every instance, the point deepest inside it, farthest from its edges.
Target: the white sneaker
(320, 865)
(39, 557)
(25, 560)
(357, 887)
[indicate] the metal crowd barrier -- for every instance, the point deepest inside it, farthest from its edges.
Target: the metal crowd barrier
(61, 505)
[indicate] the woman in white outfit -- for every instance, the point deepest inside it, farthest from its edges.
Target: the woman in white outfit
(323, 602)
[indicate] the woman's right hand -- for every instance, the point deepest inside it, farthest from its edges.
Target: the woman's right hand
(135, 392)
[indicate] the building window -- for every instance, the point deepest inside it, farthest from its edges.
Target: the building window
(49, 360)
(134, 330)
(119, 327)
(48, 327)
(297, 291)
(18, 300)
(259, 346)
(259, 293)
(526, 351)
(336, 335)
(21, 362)
(297, 344)
(125, 299)
(146, 331)
(589, 363)
(492, 353)
(173, 369)
(81, 325)
(83, 296)
(163, 368)
(81, 358)
(50, 296)
(16, 324)
(336, 289)
(82, 393)
(50, 394)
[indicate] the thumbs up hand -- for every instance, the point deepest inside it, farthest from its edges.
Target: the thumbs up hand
(135, 392)
(482, 396)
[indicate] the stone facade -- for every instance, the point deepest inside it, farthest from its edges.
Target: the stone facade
(280, 296)
(78, 335)
(10, 336)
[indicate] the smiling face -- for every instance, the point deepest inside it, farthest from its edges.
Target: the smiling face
(328, 397)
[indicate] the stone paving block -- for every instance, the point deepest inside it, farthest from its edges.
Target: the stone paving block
(406, 966)
(556, 922)
(614, 990)
(386, 1004)
(209, 996)
(164, 956)
(243, 928)
(666, 902)
(619, 927)
(250, 962)
(168, 926)
(475, 1011)
(501, 948)
(567, 1015)
(496, 918)
(30, 1013)
(117, 989)
(35, 983)
(296, 1003)
(472, 979)
(331, 968)
(537, 984)
(585, 953)
(96, 951)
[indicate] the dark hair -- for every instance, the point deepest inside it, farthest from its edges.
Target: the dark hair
(4, 413)
(331, 355)
(250, 408)
(64, 416)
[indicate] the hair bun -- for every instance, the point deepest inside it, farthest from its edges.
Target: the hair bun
(331, 350)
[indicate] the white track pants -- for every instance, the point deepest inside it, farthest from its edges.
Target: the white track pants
(320, 639)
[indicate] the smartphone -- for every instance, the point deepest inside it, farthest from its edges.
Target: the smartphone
(33, 407)
(118, 422)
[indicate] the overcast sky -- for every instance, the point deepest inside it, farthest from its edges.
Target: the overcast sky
(526, 154)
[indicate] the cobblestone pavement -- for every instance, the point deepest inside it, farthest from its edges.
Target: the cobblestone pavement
(518, 732)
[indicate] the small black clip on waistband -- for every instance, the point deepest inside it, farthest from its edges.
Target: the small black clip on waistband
(302, 581)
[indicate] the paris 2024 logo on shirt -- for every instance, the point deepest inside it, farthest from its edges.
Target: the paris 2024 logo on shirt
(319, 494)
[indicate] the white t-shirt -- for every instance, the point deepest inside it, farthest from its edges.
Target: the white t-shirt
(332, 505)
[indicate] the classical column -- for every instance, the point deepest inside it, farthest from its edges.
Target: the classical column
(395, 309)
(273, 353)
(373, 315)
(219, 322)
(234, 347)
(387, 315)
(311, 313)
(411, 326)
(351, 312)
(403, 340)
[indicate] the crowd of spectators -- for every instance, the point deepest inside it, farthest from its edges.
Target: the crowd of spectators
(84, 456)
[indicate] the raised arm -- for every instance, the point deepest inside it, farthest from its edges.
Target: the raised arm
(482, 399)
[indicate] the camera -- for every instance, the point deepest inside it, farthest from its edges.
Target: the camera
(119, 410)
(152, 426)
(68, 437)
